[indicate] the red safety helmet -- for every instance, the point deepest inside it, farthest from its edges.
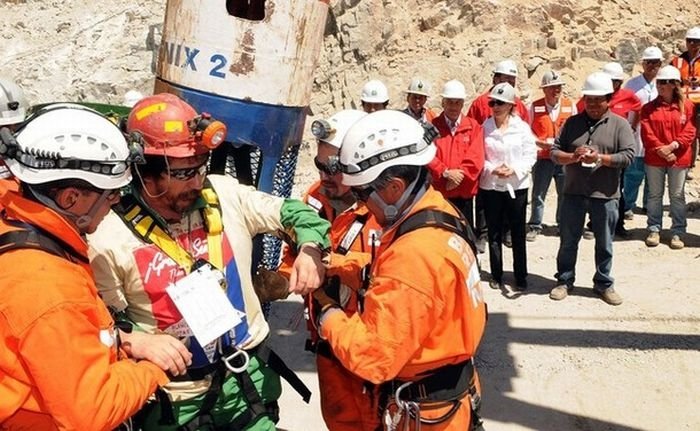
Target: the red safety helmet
(171, 127)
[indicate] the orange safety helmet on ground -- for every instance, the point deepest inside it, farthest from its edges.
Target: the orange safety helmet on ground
(171, 127)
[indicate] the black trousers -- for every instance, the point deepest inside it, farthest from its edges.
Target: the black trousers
(500, 209)
(466, 207)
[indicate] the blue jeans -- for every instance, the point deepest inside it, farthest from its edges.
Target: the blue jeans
(634, 175)
(656, 177)
(603, 214)
(542, 174)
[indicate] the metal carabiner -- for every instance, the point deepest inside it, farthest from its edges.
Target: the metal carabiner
(397, 395)
(234, 355)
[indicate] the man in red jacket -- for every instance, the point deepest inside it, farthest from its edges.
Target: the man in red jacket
(460, 151)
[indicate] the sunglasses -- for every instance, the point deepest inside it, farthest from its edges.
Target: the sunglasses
(362, 194)
(495, 102)
(692, 40)
(186, 174)
(330, 169)
(665, 81)
(653, 62)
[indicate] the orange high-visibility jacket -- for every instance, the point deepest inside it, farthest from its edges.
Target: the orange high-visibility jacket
(424, 308)
(542, 125)
(690, 75)
(59, 365)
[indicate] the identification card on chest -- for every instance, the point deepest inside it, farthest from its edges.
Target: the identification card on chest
(204, 305)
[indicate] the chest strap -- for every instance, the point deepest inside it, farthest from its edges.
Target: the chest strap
(33, 239)
(438, 219)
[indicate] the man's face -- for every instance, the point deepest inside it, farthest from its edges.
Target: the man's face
(692, 45)
(416, 101)
(617, 83)
(500, 77)
(595, 106)
(452, 107)
(177, 189)
(553, 92)
(331, 181)
(651, 67)
(372, 107)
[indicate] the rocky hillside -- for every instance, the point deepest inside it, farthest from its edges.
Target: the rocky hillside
(96, 50)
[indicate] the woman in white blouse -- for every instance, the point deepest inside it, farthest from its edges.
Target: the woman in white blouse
(510, 154)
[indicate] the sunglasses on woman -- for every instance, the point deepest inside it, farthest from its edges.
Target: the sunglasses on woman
(496, 102)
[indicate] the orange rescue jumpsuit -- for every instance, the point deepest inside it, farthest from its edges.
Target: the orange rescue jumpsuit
(59, 365)
(346, 403)
(423, 310)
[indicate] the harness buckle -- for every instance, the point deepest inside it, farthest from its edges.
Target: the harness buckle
(237, 354)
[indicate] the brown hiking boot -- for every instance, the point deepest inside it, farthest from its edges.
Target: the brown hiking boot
(609, 295)
(676, 242)
(653, 239)
(559, 292)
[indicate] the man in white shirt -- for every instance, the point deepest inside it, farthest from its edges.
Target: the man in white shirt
(644, 86)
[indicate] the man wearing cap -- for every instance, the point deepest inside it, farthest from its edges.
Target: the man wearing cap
(547, 116)
(689, 65)
(644, 87)
(178, 228)
(374, 97)
(416, 97)
(459, 159)
(593, 146)
(505, 71)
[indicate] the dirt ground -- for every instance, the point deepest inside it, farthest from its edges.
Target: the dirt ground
(578, 364)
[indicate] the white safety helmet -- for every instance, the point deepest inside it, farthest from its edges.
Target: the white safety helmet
(693, 33)
(380, 140)
(67, 141)
(333, 130)
(551, 78)
(597, 84)
(652, 53)
(506, 67)
(374, 91)
(418, 86)
(131, 97)
(454, 90)
(670, 73)
(13, 103)
(503, 92)
(614, 70)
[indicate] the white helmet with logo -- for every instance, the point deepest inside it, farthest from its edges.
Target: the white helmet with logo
(380, 140)
(66, 141)
(454, 90)
(503, 92)
(506, 67)
(652, 53)
(597, 84)
(669, 73)
(551, 78)
(374, 91)
(13, 103)
(614, 70)
(333, 130)
(418, 86)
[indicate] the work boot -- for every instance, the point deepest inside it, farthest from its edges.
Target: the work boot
(609, 295)
(676, 243)
(496, 284)
(629, 215)
(559, 292)
(621, 232)
(653, 239)
(532, 235)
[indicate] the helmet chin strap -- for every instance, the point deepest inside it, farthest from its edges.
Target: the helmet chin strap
(415, 189)
(81, 222)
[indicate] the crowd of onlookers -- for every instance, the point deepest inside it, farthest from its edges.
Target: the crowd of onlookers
(501, 155)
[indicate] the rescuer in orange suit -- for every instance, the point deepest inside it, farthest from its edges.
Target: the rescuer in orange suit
(347, 402)
(424, 313)
(60, 362)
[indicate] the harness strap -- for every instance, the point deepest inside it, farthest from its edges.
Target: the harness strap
(32, 239)
(438, 219)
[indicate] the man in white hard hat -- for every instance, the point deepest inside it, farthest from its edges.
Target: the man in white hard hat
(459, 160)
(547, 116)
(644, 87)
(688, 63)
(346, 403)
(416, 97)
(424, 312)
(374, 97)
(594, 146)
(13, 109)
(505, 71)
